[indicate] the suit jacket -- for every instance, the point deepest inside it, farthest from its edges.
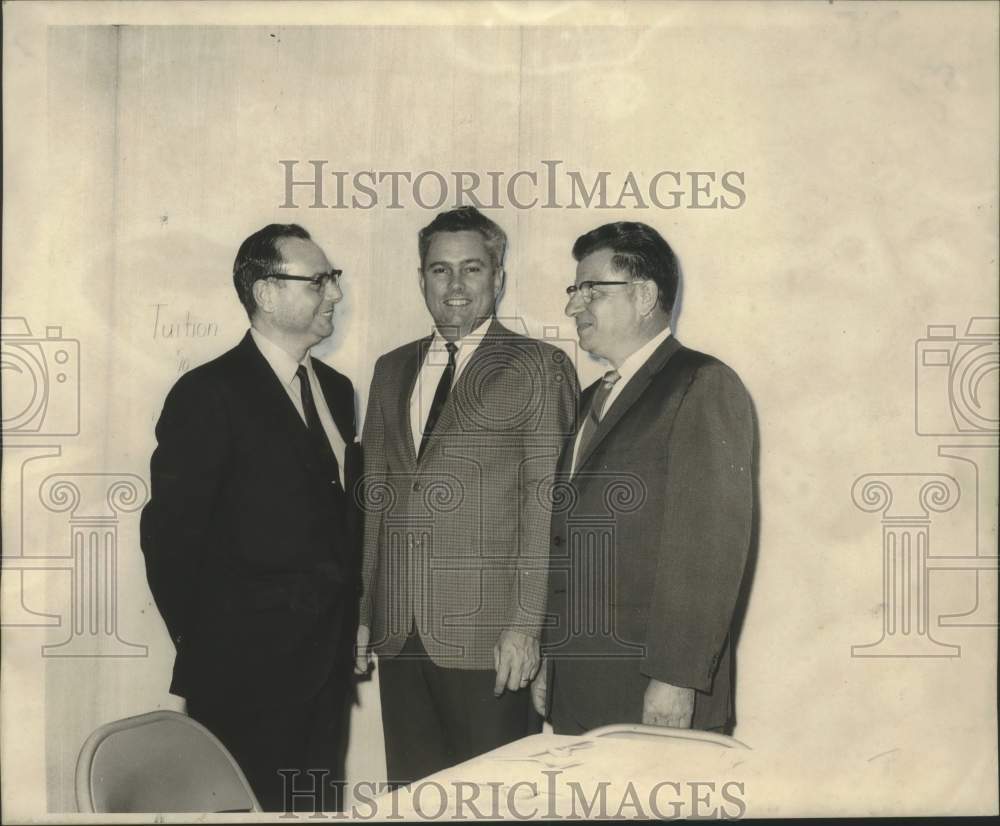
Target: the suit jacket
(650, 539)
(252, 557)
(459, 541)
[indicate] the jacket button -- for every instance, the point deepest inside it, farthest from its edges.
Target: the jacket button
(557, 541)
(416, 486)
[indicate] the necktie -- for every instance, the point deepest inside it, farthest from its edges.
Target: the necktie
(596, 411)
(321, 444)
(440, 396)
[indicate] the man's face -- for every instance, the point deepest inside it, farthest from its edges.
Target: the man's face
(459, 282)
(608, 326)
(304, 311)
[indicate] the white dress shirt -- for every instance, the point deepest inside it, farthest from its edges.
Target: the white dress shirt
(628, 369)
(284, 367)
(430, 375)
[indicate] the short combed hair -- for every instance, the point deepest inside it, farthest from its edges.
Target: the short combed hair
(462, 219)
(640, 251)
(259, 257)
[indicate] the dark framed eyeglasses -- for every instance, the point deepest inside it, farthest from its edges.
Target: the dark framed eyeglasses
(320, 280)
(586, 288)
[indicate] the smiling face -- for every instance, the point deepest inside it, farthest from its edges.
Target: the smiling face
(609, 327)
(460, 282)
(300, 312)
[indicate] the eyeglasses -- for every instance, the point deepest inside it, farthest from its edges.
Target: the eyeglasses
(317, 281)
(586, 288)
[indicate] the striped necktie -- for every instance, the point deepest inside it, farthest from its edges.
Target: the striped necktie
(596, 412)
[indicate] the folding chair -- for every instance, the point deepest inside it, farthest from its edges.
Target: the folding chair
(162, 761)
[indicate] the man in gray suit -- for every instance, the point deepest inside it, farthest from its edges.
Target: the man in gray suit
(462, 432)
(650, 543)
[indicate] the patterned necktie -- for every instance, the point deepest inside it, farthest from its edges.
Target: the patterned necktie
(596, 412)
(440, 397)
(317, 435)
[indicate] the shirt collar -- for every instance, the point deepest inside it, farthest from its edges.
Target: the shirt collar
(283, 365)
(438, 340)
(471, 341)
(632, 364)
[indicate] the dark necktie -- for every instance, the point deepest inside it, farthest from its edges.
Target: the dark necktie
(596, 412)
(317, 435)
(440, 396)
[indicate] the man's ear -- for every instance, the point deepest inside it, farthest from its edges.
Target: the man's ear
(420, 279)
(262, 294)
(498, 278)
(649, 296)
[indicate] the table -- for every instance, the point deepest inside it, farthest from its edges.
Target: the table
(617, 771)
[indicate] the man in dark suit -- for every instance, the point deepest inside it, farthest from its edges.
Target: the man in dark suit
(654, 523)
(251, 542)
(463, 428)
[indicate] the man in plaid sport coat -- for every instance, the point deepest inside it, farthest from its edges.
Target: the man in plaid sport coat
(462, 433)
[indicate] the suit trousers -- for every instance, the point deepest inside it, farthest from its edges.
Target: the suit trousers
(309, 734)
(435, 717)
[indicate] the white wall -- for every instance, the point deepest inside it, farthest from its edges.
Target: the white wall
(867, 138)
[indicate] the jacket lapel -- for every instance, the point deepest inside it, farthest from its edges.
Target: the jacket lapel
(461, 392)
(412, 362)
(629, 396)
(341, 408)
(565, 463)
(276, 408)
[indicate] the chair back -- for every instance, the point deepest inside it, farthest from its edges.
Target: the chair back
(162, 761)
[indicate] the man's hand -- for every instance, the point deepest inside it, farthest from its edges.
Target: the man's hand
(667, 705)
(515, 658)
(362, 655)
(538, 691)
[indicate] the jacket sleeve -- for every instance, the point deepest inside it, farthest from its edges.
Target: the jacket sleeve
(186, 473)
(541, 454)
(374, 493)
(706, 530)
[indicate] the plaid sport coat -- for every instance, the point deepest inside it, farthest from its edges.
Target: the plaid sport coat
(458, 542)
